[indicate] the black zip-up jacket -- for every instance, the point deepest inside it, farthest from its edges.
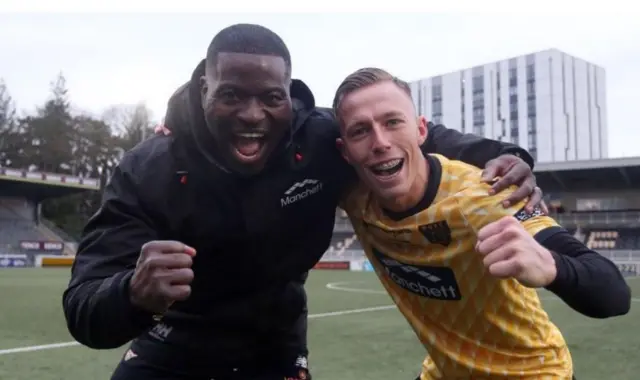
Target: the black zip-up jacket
(256, 237)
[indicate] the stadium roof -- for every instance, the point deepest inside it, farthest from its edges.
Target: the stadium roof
(591, 175)
(38, 186)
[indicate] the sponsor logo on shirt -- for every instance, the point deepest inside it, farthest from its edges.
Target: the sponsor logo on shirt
(426, 281)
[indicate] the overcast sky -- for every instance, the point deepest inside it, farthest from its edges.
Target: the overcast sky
(127, 58)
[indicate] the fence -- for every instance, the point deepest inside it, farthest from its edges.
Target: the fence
(627, 261)
(588, 219)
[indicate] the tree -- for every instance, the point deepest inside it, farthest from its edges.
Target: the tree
(48, 136)
(51, 139)
(8, 127)
(130, 123)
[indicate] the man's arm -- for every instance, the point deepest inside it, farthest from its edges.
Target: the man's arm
(469, 148)
(96, 303)
(587, 281)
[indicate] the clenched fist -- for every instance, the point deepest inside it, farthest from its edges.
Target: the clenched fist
(163, 275)
(510, 251)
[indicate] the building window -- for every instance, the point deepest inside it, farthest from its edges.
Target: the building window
(515, 130)
(513, 77)
(436, 103)
(478, 116)
(478, 84)
(531, 89)
(531, 141)
(531, 72)
(531, 107)
(531, 124)
(436, 93)
(436, 107)
(462, 111)
(478, 130)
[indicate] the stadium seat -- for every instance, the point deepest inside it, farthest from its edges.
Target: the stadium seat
(17, 225)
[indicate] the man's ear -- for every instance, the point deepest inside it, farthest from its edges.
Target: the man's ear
(342, 149)
(204, 89)
(423, 131)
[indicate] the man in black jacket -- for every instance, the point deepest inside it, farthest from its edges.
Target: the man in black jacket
(200, 250)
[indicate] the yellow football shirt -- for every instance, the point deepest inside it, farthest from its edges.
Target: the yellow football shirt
(473, 325)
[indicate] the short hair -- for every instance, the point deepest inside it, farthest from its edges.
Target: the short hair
(362, 78)
(250, 39)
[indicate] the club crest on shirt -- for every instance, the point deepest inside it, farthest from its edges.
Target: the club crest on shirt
(437, 233)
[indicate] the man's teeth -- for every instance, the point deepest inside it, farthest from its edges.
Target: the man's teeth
(388, 165)
(251, 135)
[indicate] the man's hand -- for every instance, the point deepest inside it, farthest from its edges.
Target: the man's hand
(513, 170)
(510, 251)
(161, 130)
(163, 275)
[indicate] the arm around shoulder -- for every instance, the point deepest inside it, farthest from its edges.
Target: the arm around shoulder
(469, 148)
(96, 303)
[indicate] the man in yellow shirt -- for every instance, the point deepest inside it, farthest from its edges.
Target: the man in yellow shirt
(461, 268)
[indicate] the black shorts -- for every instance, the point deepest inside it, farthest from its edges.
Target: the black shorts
(132, 367)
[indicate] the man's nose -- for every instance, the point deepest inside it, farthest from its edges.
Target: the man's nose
(380, 141)
(252, 113)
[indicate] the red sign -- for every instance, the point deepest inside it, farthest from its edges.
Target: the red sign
(41, 245)
(341, 265)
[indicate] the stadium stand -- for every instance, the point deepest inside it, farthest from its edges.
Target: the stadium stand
(344, 243)
(597, 201)
(25, 238)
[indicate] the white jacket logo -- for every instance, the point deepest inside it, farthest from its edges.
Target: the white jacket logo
(300, 190)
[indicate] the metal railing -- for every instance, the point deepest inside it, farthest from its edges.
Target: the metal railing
(620, 255)
(342, 225)
(616, 255)
(613, 218)
(349, 254)
(582, 219)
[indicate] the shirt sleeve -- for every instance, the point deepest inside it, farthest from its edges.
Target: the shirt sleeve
(479, 209)
(586, 281)
(96, 303)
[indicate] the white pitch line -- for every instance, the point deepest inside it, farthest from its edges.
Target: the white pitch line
(333, 286)
(71, 344)
(37, 348)
(340, 286)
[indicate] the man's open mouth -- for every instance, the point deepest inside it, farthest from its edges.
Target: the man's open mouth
(249, 145)
(387, 168)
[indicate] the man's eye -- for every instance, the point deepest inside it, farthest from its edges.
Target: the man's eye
(394, 122)
(274, 98)
(358, 132)
(228, 95)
